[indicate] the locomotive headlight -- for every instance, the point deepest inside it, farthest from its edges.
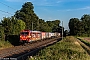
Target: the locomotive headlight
(29, 36)
(20, 36)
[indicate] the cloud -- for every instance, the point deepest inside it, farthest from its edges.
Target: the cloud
(20, 0)
(84, 8)
(44, 3)
(39, 2)
(88, 7)
(14, 0)
(59, 1)
(50, 1)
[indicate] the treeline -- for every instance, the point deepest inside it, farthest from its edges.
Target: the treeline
(25, 18)
(80, 27)
(32, 21)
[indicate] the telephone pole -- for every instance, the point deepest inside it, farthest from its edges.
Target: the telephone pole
(32, 26)
(62, 30)
(38, 25)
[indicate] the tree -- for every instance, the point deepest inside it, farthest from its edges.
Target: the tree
(43, 26)
(86, 23)
(54, 25)
(50, 24)
(6, 23)
(27, 14)
(12, 26)
(73, 26)
(80, 27)
(56, 22)
(66, 32)
(17, 26)
(21, 25)
(2, 36)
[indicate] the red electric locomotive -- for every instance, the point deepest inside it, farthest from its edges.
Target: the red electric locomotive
(29, 36)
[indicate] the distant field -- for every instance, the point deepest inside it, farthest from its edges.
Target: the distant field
(85, 40)
(66, 49)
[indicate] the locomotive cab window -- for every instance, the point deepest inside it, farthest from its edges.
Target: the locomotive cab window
(24, 33)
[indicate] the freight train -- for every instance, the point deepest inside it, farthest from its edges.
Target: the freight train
(29, 36)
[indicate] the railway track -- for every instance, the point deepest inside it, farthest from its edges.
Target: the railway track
(19, 52)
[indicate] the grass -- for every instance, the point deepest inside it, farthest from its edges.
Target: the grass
(66, 49)
(4, 44)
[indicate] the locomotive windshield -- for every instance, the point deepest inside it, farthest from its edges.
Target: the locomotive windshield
(24, 33)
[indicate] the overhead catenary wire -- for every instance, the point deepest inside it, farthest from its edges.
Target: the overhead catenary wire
(62, 30)
(8, 6)
(6, 12)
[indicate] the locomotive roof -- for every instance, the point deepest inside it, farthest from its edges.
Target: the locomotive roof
(35, 31)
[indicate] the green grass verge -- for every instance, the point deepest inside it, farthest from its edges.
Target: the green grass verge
(66, 49)
(4, 44)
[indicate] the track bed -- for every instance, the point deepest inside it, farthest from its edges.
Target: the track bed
(16, 51)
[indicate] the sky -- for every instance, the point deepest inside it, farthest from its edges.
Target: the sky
(49, 10)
